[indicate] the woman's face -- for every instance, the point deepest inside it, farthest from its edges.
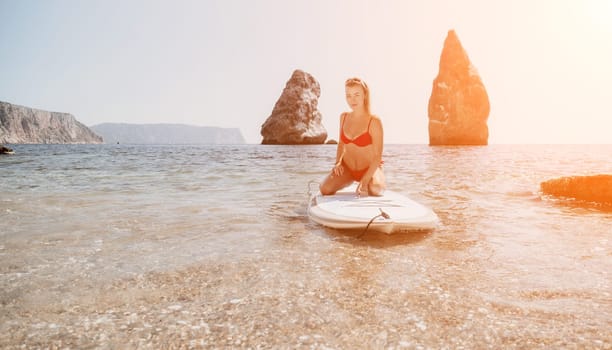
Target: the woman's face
(355, 96)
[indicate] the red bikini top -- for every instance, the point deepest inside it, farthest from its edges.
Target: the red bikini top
(362, 140)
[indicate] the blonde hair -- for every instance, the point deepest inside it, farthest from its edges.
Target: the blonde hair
(366, 91)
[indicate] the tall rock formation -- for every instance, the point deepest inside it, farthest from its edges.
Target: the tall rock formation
(295, 118)
(20, 124)
(459, 104)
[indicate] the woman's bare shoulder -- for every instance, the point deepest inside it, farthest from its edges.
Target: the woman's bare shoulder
(343, 115)
(376, 118)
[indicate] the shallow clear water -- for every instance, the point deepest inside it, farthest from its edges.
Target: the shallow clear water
(506, 266)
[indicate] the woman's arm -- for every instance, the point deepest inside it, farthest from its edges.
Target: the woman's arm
(338, 169)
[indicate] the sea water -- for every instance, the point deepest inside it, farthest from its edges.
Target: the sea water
(105, 239)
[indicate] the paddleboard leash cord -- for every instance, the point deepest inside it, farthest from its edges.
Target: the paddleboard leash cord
(382, 214)
(310, 183)
(312, 193)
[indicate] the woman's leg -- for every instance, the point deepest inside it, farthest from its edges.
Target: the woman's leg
(377, 185)
(333, 183)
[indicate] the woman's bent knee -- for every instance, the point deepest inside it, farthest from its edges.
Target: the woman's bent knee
(326, 190)
(376, 189)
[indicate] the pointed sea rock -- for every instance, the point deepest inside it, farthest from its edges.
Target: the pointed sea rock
(459, 104)
(593, 188)
(295, 118)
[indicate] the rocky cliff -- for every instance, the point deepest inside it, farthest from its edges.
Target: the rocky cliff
(295, 118)
(20, 124)
(459, 104)
(167, 134)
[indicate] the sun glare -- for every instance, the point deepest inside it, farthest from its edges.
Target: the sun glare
(600, 12)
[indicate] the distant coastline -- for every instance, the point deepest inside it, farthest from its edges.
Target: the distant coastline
(167, 134)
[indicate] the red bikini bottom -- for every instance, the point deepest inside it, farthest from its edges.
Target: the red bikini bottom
(357, 175)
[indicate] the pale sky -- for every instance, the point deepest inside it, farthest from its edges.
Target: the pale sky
(546, 64)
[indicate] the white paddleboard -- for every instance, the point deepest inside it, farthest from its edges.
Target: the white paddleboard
(344, 210)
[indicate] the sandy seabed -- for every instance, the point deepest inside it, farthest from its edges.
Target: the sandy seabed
(348, 296)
